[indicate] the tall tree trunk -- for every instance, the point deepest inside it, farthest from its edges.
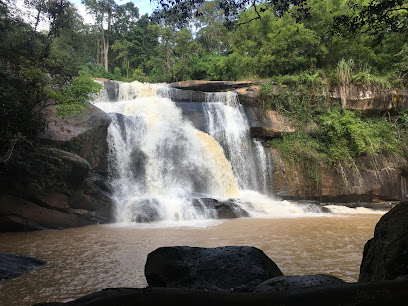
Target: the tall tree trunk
(105, 52)
(98, 51)
(103, 48)
(37, 20)
(106, 38)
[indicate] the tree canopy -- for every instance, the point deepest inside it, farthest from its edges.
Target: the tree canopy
(306, 42)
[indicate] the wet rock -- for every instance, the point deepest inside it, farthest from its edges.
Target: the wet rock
(95, 196)
(313, 206)
(12, 266)
(83, 135)
(229, 268)
(112, 88)
(144, 211)
(249, 95)
(227, 209)
(386, 255)
(80, 197)
(187, 96)
(194, 113)
(295, 282)
(77, 193)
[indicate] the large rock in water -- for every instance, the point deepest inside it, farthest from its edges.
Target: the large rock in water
(12, 266)
(386, 255)
(226, 209)
(229, 268)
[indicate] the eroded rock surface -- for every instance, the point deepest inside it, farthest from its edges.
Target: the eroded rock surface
(373, 179)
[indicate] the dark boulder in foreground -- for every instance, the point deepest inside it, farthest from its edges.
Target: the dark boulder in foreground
(229, 268)
(386, 255)
(295, 282)
(12, 266)
(375, 293)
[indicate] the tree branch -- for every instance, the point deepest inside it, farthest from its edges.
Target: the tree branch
(248, 21)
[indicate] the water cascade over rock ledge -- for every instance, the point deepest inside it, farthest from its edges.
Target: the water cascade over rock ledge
(256, 167)
(164, 169)
(217, 158)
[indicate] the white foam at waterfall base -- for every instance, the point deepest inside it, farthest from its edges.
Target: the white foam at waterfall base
(260, 205)
(340, 209)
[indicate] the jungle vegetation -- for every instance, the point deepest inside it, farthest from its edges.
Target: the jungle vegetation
(304, 44)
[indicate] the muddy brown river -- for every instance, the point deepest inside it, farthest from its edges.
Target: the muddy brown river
(88, 259)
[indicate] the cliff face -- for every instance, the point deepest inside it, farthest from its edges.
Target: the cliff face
(378, 178)
(75, 152)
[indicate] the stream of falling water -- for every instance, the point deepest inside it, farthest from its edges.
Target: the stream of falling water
(162, 169)
(226, 122)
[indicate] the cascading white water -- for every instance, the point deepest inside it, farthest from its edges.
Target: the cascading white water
(158, 161)
(263, 166)
(162, 168)
(228, 125)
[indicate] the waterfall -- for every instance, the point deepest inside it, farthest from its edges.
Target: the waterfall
(227, 124)
(162, 168)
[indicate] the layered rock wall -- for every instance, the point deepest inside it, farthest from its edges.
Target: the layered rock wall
(378, 178)
(75, 152)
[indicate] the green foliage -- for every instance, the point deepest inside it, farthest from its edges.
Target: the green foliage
(262, 42)
(402, 64)
(344, 133)
(138, 75)
(303, 149)
(338, 138)
(346, 136)
(299, 97)
(344, 70)
(403, 117)
(75, 96)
